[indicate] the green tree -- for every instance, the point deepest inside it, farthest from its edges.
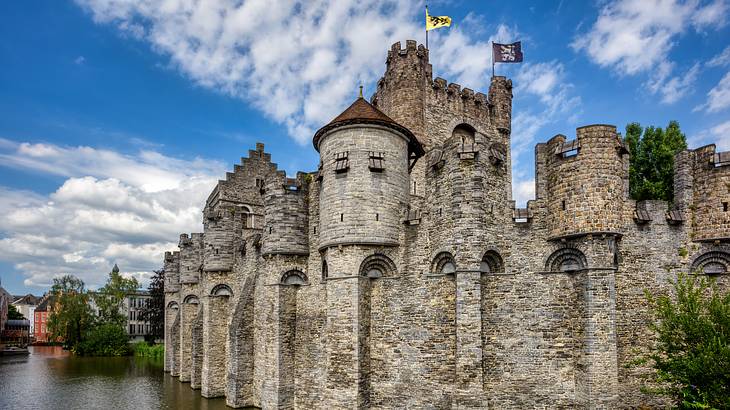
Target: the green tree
(13, 313)
(70, 314)
(106, 339)
(154, 311)
(651, 168)
(691, 353)
(110, 297)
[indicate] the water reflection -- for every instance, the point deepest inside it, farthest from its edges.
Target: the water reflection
(50, 378)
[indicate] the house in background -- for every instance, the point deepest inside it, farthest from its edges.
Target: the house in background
(131, 308)
(134, 304)
(40, 317)
(5, 300)
(26, 306)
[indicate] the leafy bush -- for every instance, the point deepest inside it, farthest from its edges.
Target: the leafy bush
(145, 349)
(104, 340)
(691, 354)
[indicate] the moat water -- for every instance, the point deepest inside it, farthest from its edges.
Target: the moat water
(50, 378)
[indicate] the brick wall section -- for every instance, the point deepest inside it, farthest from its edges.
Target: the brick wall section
(188, 314)
(215, 330)
(239, 387)
(174, 341)
(171, 311)
(196, 348)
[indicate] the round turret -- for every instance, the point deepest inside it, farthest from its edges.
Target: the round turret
(365, 186)
(587, 182)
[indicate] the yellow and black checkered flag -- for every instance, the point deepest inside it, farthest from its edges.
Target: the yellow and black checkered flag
(434, 22)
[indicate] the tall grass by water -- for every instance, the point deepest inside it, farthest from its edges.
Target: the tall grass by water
(145, 349)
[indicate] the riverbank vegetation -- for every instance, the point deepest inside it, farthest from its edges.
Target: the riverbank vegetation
(690, 356)
(91, 323)
(155, 351)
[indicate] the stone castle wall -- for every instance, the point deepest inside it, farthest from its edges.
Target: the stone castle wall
(428, 289)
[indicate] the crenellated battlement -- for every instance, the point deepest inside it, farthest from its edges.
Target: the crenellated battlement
(286, 213)
(171, 268)
(191, 257)
(702, 189)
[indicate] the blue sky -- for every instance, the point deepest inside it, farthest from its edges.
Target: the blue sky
(118, 116)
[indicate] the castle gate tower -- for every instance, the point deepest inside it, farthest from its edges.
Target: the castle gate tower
(363, 198)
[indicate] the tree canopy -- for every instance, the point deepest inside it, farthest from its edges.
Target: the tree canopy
(691, 353)
(651, 169)
(110, 297)
(71, 314)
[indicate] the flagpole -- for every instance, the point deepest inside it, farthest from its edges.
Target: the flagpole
(492, 59)
(426, 26)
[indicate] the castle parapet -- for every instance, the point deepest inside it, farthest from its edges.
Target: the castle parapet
(172, 271)
(286, 215)
(710, 195)
(586, 182)
(191, 257)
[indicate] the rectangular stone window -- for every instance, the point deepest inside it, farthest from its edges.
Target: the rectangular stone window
(342, 163)
(721, 159)
(724, 206)
(568, 149)
(375, 161)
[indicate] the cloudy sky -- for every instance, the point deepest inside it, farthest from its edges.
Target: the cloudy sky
(118, 116)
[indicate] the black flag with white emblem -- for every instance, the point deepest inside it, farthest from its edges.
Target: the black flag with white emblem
(507, 53)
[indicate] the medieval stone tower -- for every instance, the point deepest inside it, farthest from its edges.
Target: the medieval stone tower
(400, 274)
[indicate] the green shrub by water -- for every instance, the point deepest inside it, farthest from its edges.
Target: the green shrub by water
(104, 340)
(145, 349)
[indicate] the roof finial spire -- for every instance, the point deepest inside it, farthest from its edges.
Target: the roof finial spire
(361, 92)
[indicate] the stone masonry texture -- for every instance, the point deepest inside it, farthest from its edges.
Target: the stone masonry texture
(400, 274)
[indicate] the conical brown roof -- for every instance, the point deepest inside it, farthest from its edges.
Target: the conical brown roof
(362, 112)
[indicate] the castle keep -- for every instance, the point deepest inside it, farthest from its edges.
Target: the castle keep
(400, 274)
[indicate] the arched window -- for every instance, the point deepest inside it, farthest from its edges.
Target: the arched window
(491, 262)
(294, 278)
(172, 305)
(248, 218)
(377, 266)
(566, 260)
(221, 290)
(465, 136)
(712, 263)
(325, 271)
(191, 300)
(444, 263)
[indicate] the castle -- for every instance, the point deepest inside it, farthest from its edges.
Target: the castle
(400, 274)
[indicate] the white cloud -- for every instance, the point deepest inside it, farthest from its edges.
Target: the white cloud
(672, 89)
(718, 135)
(635, 36)
(80, 60)
(298, 64)
(720, 60)
(105, 212)
(718, 98)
